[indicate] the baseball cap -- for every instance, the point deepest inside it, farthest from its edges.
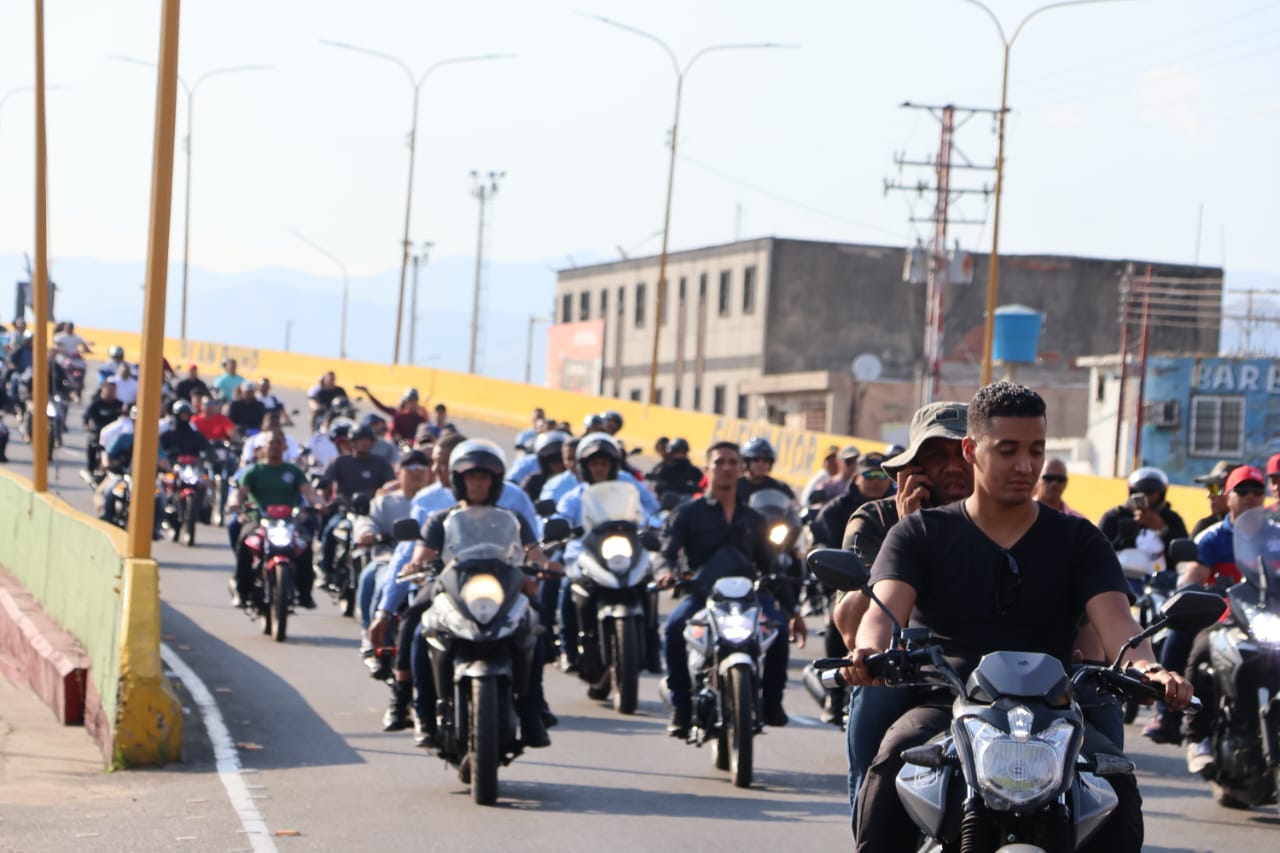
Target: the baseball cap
(871, 462)
(832, 451)
(849, 453)
(423, 435)
(1273, 465)
(365, 433)
(1218, 475)
(1245, 474)
(248, 386)
(946, 419)
(414, 457)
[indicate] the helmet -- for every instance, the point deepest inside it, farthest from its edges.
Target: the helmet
(595, 444)
(181, 407)
(339, 403)
(477, 454)
(592, 423)
(611, 415)
(372, 418)
(340, 428)
(410, 395)
(892, 450)
(547, 447)
(116, 353)
(758, 448)
(1149, 480)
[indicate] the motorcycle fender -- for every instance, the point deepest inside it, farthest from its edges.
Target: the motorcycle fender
(481, 669)
(1093, 800)
(923, 793)
(735, 659)
(618, 611)
(276, 561)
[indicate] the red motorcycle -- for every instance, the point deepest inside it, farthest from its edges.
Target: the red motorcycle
(280, 541)
(185, 489)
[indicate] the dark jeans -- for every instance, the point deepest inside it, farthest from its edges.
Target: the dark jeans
(568, 622)
(1200, 726)
(329, 544)
(1173, 657)
(872, 710)
(410, 619)
(679, 681)
(884, 825)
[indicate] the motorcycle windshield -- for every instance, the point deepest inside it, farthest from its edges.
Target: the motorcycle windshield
(1256, 537)
(771, 503)
(482, 533)
(610, 501)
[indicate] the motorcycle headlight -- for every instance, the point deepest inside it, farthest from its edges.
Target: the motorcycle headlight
(616, 552)
(280, 536)
(737, 627)
(778, 534)
(483, 596)
(1018, 770)
(1265, 627)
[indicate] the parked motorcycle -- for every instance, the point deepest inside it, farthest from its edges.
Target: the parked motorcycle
(1009, 773)
(281, 539)
(1244, 665)
(480, 634)
(609, 583)
(726, 642)
(185, 488)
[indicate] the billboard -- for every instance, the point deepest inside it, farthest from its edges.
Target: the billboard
(575, 356)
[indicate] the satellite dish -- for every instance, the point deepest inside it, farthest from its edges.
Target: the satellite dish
(867, 367)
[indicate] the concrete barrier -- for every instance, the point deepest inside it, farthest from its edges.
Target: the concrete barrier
(73, 565)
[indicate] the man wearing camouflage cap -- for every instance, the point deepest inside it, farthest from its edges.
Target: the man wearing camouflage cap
(1214, 483)
(931, 472)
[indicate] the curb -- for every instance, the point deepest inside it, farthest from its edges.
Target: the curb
(36, 653)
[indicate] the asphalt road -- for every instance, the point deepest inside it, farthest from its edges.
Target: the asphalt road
(306, 721)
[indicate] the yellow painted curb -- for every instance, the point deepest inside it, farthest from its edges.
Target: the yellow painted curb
(149, 716)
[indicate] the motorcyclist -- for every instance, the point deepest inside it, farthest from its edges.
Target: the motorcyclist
(524, 441)
(548, 450)
(190, 382)
(959, 571)
(870, 482)
(104, 408)
(118, 456)
(272, 482)
(676, 475)
(68, 343)
(1145, 521)
(331, 442)
(476, 469)
(182, 438)
(111, 367)
(405, 418)
(377, 424)
(321, 396)
(814, 491)
(720, 536)
(1273, 476)
(561, 484)
(258, 441)
(759, 456)
(19, 361)
(359, 473)
(272, 403)
(1214, 483)
(247, 412)
(126, 384)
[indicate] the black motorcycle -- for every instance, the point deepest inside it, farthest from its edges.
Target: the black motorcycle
(350, 557)
(1244, 665)
(1010, 772)
(1156, 588)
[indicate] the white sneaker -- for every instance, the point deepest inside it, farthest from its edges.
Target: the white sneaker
(1200, 759)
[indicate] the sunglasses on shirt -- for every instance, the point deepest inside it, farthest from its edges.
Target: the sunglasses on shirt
(1054, 478)
(1008, 585)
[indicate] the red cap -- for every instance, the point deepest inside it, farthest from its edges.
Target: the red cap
(1273, 465)
(193, 367)
(1245, 474)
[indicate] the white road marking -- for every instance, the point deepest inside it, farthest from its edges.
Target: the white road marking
(224, 752)
(805, 721)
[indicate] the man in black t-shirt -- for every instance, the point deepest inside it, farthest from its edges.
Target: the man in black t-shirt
(996, 572)
(247, 412)
(360, 473)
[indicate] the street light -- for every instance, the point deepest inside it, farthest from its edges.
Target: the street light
(416, 83)
(534, 320)
(19, 90)
(190, 92)
(993, 273)
(342, 326)
(483, 188)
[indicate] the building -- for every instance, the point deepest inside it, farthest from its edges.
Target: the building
(769, 329)
(1190, 412)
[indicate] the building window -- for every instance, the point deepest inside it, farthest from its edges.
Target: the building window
(584, 305)
(640, 305)
(604, 303)
(1217, 426)
(749, 290)
(717, 400)
(657, 396)
(683, 282)
(702, 288)
(622, 300)
(742, 406)
(675, 398)
(566, 308)
(635, 395)
(697, 399)
(724, 293)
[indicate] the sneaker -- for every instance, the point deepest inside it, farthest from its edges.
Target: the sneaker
(1157, 732)
(775, 716)
(424, 736)
(305, 600)
(549, 720)
(567, 664)
(681, 719)
(1200, 759)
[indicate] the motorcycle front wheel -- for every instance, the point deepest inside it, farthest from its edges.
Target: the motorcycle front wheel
(485, 734)
(284, 584)
(191, 512)
(626, 664)
(740, 724)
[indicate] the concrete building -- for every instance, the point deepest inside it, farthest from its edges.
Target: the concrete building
(769, 328)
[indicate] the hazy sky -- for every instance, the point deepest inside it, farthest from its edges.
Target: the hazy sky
(1127, 117)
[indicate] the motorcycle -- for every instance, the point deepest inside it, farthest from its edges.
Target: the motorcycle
(185, 487)
(350, 557)
(75, 368)
(220, 464)
(278, 543)
(1244, 665)
(122, 491)
(609, 583)
(726, 642)
(1009, 772)
(1155, 591)
(480, 635)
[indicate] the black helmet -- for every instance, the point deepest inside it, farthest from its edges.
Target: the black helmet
(1149, 480)
(548, 446)
(592, 423)
(596, 444)
(758, 448)
(116, 353)
(339, 403)
(182, 407)
(472, 454)
(612, 415)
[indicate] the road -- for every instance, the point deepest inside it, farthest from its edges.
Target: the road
(305, 720)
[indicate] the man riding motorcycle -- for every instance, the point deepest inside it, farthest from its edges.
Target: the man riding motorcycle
(548, 450)
(405, 418)
(758, 455)
(720, 536)
(997, 572)
(182, 439)
(360, 473)
(101, 411)
(676, 475)
(1145, 521)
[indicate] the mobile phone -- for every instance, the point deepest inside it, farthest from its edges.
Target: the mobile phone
(1137, 500)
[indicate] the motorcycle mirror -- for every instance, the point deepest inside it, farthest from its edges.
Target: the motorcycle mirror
(650, 541)
(1192, 611)
(545, 509)
(808, 515)
(635, 451)
(840, 569)
(1183, 551)
(555, 530)
(406, 530)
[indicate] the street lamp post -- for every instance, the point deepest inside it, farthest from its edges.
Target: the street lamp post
(190, 91)
(419, 260)
(681, 73)
(346, 289)
(534, 320)
(993, 273)
(416, 84)
(483, 188)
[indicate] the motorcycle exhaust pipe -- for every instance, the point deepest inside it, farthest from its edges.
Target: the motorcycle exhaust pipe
(813, 683)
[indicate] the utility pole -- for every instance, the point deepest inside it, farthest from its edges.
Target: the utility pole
(419, 258)
(938, 269)
(483, 188)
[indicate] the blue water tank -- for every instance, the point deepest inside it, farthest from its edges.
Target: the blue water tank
(1017, 334)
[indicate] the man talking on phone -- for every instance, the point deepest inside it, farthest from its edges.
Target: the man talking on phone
(1146, 514)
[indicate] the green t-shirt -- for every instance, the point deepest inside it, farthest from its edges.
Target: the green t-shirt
(274, 485)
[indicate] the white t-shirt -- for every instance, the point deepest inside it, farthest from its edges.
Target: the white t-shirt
(322, 449)
(127, 390)
(68, 343)
(114, 430)
(259, 440)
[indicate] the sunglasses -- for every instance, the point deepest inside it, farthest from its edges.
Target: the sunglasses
(1008, 585)
(1248, 490)
(874, 475)
(1054, 478)
(413, 467)
(1215, 489)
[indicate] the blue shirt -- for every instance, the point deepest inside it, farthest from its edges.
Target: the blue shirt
(524, 466)
(569, 508)
(1218, 549)
(558, 486)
